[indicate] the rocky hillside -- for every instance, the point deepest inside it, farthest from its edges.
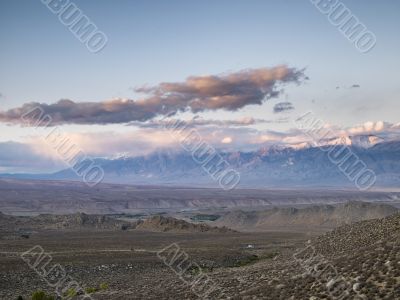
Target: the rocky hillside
(73, 221)
(22, 226)
(318, 217)
(358, 261)
(367, 256)
(345, 239)
(168, 224)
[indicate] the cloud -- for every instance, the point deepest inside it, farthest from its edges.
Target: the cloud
(372, 127)
(23, 157)
(283, 107)
(230, 92)
(195, 122)
(226, 140)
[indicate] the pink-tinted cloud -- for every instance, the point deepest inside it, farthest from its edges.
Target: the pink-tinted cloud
(198, 93)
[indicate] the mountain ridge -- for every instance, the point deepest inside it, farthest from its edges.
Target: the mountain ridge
(273, 166)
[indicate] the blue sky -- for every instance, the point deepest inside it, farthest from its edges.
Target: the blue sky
(150, 42)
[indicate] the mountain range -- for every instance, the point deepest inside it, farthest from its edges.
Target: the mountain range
(273, 166)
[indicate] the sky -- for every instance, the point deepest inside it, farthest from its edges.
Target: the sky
(254, 66)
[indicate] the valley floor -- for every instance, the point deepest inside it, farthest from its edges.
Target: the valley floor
(360, 261)
(127, 261)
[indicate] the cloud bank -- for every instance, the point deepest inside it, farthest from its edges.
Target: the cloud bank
(26, 157)
(198, 93)
(37, 155)
(196, 122)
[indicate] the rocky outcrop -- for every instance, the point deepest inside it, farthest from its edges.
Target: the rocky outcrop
(169, 224)
(74, 221)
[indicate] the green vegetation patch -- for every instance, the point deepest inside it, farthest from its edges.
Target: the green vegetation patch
(41, 295)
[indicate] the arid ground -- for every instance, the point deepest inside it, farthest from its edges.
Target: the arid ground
(272, 245)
